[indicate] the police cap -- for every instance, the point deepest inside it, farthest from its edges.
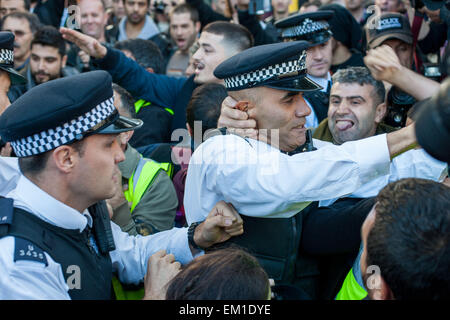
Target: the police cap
(312, 27)
(62, 111)
(387, 26)
(278, 65)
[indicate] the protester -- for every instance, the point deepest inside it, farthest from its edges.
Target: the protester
(24, 25)
(157, 120)
(218, 41)
(47, 61)
(404, 253)
(184, 28)
(10, 6)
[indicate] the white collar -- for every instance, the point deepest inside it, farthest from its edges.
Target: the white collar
(33, 199)
(323, 82)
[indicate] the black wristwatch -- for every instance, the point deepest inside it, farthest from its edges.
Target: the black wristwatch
(190, 235)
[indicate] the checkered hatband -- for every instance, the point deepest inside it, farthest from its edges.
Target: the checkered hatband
(52, 138)
(308, 26)
(6, 56)
(255, 77)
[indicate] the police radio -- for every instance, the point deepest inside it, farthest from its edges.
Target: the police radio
(102, 227)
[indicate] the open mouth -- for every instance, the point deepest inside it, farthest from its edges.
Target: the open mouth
(180, 42)
(343, 125)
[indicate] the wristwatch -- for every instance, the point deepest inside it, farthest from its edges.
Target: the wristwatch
(190, 235)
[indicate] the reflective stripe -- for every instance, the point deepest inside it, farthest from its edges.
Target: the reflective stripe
(169, 111)
(142, 178)
(139, 104)
(351, 290)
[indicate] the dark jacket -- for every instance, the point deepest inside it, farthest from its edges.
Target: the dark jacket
(161, 90)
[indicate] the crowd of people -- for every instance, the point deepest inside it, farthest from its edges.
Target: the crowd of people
(209, 149)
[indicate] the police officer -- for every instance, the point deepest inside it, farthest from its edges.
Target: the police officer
(314, 28)
(258, 177)
(8, 77)
(56, 240)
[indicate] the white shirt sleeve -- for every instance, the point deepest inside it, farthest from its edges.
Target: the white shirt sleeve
(29, 280)
(132, 252)
(411, 164)
(9, 174)
(261, 181)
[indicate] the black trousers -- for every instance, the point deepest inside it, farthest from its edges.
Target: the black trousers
(332, 237)
(335, 229)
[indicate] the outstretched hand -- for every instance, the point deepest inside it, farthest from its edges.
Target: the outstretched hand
(91, 46)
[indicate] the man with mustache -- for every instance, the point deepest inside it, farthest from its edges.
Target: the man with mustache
(24, 25)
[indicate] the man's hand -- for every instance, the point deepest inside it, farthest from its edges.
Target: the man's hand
(161, 269)
(85, 58)
(234, 116)
(91, 46)
(6, 150)
(383, 63)
(222, 223)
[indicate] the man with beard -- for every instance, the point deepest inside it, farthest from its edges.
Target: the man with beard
(47, 60)
(218, 41)
(184, 28)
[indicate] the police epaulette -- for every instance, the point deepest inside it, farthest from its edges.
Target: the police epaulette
(27, 250)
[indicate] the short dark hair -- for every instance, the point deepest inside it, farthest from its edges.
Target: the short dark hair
(50, 36)
(205, 104)
(362, 76)
(223, 274)
(34, 165)
(185, 8)
(32, 19)
(146, 53)
(235, 34)
(127, 101)
(410, 238)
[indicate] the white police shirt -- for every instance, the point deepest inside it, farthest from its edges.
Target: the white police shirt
(25, 279)
(411, 164)
(260, 181)
(9, 174)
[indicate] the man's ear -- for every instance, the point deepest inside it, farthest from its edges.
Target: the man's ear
(150, 70)
(124, 137)
(380, 112)
(65, 158)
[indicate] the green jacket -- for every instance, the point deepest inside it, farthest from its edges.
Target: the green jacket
(157, 207)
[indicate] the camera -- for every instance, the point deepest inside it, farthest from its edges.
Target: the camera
(398, 105)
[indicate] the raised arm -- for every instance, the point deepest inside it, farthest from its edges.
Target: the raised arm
(155, 88)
